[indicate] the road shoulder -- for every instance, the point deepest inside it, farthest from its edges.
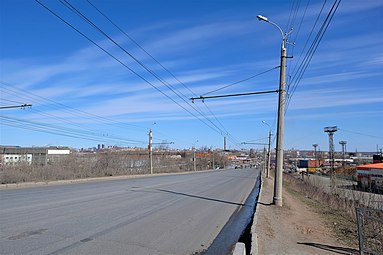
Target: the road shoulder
(291, 229)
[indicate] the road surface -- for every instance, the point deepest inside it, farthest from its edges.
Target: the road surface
(173, 214)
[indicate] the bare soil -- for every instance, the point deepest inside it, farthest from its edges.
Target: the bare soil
(301, 226)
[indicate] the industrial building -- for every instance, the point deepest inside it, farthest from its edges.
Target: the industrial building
(370, 177)
(12, 155)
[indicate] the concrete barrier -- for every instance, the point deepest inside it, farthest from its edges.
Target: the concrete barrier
(240, 249)
(254, 236)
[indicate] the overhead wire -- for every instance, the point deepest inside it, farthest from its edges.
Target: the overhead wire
(58, 130)
(158, 62)
(292, 48)
(10, 101)
(139, 62)
(240, 81)
(139, 46)
(360, 133)
(169, 86)
(220, 123)
(34, 98)
(313, 49)
(123, 64)
(308, 39)
(135, 59)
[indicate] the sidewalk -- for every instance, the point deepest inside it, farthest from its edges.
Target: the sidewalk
(292, 229)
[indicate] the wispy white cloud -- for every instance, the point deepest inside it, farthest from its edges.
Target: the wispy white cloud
(334, 97)
(335, 78)
(325, 115)
(199, 35)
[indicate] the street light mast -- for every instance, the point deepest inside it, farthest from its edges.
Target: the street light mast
(268, 150)
(277, 199)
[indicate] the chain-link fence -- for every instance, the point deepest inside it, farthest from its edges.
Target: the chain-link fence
(370, 230)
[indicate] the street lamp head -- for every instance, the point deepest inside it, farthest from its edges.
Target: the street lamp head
(267, 124)
(262, 18)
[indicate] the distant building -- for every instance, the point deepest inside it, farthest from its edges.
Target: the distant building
(377, 158)
(370, 177)
(12, 155)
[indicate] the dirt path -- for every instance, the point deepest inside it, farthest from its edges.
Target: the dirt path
(294, 228)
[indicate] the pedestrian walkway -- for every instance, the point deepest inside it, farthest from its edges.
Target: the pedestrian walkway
(292, 229)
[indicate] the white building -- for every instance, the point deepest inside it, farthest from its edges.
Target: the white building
(11, 155)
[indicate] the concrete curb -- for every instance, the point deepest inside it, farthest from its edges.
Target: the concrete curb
(254, 236)
(240, 249)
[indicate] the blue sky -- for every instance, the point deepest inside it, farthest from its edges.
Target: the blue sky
(81, 96)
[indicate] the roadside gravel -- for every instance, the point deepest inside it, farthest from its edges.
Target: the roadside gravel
(292, 229)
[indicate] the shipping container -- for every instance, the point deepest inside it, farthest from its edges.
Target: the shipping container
(303, 163)
(315, 163)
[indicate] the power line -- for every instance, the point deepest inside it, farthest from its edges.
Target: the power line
(359, 133)
(175, 91)
(307, 41)
(297, 31)
(218, 130)
(57, 130)
(243, 80)
(119, 61)
(159, 63)
(138, 45)
(30, 96)
(13, 90)
(313, 48)
(10, 101)
(219, 122)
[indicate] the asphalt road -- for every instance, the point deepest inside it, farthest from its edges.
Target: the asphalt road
(177, 214)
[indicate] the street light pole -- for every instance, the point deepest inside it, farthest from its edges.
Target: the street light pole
(277, 200)
(194, 158)
(268, 151)
(150, 147)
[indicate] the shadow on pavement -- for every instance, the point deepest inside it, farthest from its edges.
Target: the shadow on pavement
(265, 204)
(335, 249)
(199, 197)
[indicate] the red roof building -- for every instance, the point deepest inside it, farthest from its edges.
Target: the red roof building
(370, 177)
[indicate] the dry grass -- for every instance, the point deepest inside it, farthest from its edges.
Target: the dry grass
(338, 213)
(78, 166)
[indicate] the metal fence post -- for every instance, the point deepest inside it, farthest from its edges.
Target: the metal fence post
(360, 230)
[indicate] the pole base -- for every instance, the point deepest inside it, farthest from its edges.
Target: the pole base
(277, 201)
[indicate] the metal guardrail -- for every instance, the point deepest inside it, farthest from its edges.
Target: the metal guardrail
(370, 231)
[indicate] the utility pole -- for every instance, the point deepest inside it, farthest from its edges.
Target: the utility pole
(331, 131)
(343, 143)
(268, 150)
(281, 129)
(268, 156)
(315, 154)
(224, 143)
(150, 147)
(194, 160)
(264, 160)
(213, 160)
(277, 200)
